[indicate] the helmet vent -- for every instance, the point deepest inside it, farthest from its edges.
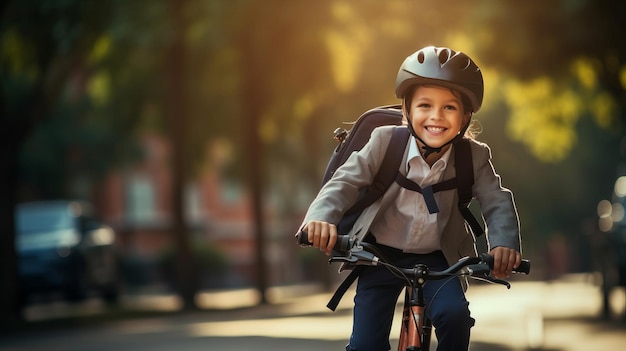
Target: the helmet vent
(466, 66)
(420, 57)
(444, 56)
(445, 67)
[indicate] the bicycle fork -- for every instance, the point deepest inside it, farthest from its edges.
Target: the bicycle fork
(416, 328)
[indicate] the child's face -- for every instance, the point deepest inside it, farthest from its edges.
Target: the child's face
(436, 114)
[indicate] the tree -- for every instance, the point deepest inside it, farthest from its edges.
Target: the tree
(177, 117)
(76, 77)
(560, 70)
(566, 63)
(274, 49)
(37, 67)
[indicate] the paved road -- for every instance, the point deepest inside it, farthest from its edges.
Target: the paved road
(532, 315)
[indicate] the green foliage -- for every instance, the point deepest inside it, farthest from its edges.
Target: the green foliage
(67, 147)
(563, 66)
(46, 61)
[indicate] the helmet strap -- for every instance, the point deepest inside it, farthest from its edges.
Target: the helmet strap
(427, 148)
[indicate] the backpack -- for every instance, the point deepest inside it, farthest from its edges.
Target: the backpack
(354, 139)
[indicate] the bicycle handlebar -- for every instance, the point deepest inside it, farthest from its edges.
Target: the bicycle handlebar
(366, 255)
(343, 244)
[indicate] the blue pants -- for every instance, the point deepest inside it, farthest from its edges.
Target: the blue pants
(377, 294)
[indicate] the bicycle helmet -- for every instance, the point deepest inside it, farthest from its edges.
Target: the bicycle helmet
(443, 67)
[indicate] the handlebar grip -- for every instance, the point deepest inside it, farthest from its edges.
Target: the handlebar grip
(303, 239)
(343, 243)
(524, 266)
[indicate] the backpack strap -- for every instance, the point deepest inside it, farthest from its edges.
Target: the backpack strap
(383, 179)
(387, 171)
(343, 287)
(465, 181)
(428, 192)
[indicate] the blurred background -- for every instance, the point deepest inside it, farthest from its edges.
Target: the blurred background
(185, 138)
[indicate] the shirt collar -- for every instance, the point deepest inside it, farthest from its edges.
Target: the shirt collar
(414, 152)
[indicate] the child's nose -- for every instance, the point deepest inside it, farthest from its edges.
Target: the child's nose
(436, 114)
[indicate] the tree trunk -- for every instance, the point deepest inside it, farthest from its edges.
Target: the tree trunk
(254, 159)
(10, 306)
(176, 114)
(254, 102)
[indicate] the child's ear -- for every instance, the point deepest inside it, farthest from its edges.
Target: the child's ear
(405, 114)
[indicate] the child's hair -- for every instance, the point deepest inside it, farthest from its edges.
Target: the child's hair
(473, 129)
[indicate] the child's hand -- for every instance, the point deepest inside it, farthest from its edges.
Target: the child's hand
(504, 261)
(322, 234)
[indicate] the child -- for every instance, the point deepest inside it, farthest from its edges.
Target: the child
(440, 90)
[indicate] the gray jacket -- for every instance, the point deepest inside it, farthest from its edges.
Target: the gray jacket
(496, 202)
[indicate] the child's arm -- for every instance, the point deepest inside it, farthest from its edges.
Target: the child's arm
(498, 208)
(342, 190)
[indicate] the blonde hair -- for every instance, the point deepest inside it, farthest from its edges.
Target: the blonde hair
(473, 129)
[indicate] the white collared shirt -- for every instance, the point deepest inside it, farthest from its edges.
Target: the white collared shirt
(406, 223)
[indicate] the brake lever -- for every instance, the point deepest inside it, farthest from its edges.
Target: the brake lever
(344, 259)
(499, 281)
(489, 279)
(503, 282)
(357, 256)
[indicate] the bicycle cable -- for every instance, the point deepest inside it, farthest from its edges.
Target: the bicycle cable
(449, 280)
(432, 299)
(395, 271)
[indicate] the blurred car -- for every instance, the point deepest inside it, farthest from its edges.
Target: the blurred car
(61, 247)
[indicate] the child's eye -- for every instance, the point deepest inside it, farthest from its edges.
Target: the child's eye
(450, 107)
(423, 105)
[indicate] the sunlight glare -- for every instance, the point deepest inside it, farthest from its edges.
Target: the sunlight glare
(620, 186)
(297, 327)
(617, 213)
(604, 209)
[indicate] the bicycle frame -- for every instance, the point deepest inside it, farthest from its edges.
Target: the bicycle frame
(416, 327)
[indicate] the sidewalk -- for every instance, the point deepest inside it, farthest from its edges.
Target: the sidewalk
(562, 315)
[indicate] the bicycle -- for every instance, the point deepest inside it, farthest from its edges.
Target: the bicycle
(416, 327)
